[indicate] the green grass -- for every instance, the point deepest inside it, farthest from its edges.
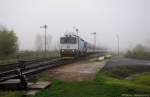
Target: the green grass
(143, 78)
(11, 93)
(102, 86)
(105, 85)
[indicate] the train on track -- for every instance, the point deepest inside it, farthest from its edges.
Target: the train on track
(73, 46)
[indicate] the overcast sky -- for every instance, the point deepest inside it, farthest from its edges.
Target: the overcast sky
(130, 19)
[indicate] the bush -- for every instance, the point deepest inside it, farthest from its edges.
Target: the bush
(8, 42)
(139, 52)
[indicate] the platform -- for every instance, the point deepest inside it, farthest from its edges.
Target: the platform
(83, 70)
(34, 88)
(39, 85)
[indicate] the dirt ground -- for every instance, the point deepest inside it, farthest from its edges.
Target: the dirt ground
(83, 70)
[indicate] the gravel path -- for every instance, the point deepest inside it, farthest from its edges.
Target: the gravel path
(83, 70)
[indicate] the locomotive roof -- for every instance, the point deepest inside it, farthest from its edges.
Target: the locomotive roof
(74, 35)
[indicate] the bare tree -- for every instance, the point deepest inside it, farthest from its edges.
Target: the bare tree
(39, 43)
(49, 39)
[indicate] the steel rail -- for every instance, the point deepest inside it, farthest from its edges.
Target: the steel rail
(31, 69)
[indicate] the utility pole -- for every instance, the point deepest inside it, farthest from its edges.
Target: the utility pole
(94, 33)
(118, 43)
(45, 27)
(77, 30)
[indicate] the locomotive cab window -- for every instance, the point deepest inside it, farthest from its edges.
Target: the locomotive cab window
(71, 40)
(63, 40)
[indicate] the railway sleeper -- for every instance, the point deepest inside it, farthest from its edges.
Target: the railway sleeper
(20, 81)
(13, 84)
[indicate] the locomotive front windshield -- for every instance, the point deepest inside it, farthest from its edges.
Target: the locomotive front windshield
(65, 40)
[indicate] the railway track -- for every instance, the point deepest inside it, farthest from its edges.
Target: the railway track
(4, 67)
(30, 68)
(27, 68)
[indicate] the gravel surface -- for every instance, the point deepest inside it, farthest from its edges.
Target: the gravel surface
(83, 70)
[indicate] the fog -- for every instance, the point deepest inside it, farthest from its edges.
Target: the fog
(129, 19)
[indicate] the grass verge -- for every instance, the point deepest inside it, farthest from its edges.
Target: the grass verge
(11, 93)
(103, 86)
(143, 78)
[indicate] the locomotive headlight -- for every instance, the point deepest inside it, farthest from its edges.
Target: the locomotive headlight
(62, 50)
(72, 50)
